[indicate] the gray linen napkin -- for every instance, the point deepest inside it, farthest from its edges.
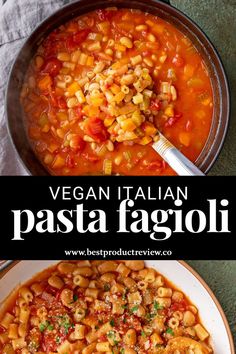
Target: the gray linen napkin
(18, 18)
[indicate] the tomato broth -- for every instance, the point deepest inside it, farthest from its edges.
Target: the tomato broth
(100, 87)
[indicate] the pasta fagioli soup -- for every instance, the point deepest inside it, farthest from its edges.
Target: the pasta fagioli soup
(100, 87)
(93, 307)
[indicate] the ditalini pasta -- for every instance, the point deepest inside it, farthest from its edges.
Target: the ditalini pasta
(100, 87)
(92, 307)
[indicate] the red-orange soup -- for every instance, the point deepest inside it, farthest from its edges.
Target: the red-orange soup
(101, 86)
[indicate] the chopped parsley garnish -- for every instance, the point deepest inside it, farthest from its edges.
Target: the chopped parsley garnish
(65, 322)
(149, 316)
(58, 340)
(157, 306)
(170, 331)
(134, 309)
(42, 327)
(67, 326)
(124, 306)
(112, 322)
(143, 334)
(75, 297)
(122, 351)
(124, 297)
(96, 327)
(50, 327)
(45, 325)
(110, 334)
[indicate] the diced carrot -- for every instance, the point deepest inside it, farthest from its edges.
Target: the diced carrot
(158, 29)
(53, 147)
(195, 83)
(71, 90)
(188, 71)
(91, 111)
(45, 128)
(90, 61)
(169, 111)
(45, 83)
(145, 140)
(34, 132)
(184, 138)
(58, 162)
(149, 128)
(119, 96)
(59, 91)
(108, 121)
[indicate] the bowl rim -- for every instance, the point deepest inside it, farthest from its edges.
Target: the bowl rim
(181, 262)
(218, 143)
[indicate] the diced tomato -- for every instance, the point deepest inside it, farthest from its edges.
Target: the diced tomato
(58, 294)
(61, 102)
(51, 290)
(178, 61)
(103, 338)
(73, 41)
(49, 344)
(179, 306)
(172, 120)
(70, 162)
(2, 329)
(188, 126)
(70, 44)
(90, 158)
(146, 53)
(155, 105)
(104, 15)
(57, 101)
(79, 112)
(52, 66)
(80, 36)
(96, 129)
(155, 165)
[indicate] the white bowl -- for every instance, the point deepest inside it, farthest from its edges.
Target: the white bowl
(178, 272)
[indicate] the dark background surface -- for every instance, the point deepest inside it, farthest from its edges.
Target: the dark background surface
(221, 278)
(218, 19)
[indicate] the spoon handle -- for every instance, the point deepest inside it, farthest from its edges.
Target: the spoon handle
(176, 160)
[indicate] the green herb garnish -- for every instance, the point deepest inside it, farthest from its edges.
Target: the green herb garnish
(157, 306)
(170, 331)
(44, 326)
(134, 309)
(110, 334)
(75, 298)
(112, 322)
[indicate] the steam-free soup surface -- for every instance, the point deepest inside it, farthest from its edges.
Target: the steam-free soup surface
(92, 307)
(101, 86)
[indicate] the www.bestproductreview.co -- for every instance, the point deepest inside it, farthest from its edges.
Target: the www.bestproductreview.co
(120, 252)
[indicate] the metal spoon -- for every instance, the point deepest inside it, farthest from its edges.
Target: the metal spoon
(180, 164)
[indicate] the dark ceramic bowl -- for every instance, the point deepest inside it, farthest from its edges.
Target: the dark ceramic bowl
(156, 7)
